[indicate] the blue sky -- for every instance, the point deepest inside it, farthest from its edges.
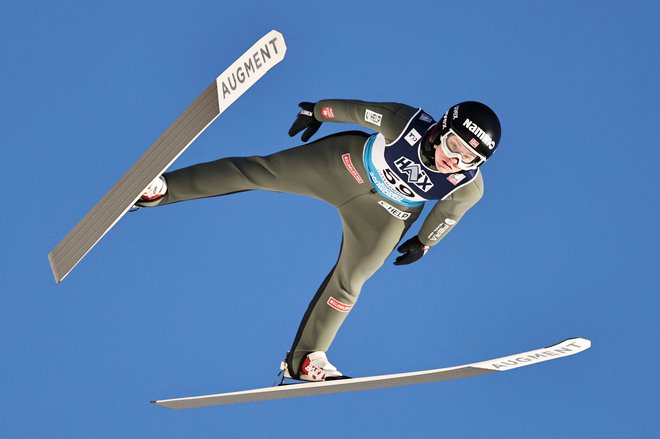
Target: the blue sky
(205, 297)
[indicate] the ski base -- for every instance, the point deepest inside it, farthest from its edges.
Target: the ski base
(216, 98)
(568, 347)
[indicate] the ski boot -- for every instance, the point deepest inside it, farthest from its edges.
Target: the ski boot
(154, 192)
(315, 367)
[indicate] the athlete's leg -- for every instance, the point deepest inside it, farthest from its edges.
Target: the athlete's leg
(370, 233)
(315, 169)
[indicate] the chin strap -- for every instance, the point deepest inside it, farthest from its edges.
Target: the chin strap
(427, 150)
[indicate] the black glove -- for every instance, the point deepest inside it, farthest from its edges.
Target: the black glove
(413, 250)
(304, 120)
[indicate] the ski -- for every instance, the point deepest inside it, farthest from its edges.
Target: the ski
(216, 98)
(568, 347)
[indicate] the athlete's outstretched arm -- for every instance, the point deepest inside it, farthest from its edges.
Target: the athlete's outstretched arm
(388, 118)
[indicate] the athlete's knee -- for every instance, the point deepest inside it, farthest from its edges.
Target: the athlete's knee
(255, 170)
(344, 298)
(360, 273)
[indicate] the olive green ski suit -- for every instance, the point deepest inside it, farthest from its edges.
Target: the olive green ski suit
(331, 169)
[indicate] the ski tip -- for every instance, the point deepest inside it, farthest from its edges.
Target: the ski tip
(586, 342)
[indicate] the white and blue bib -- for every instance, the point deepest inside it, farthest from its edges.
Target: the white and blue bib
(397, 172)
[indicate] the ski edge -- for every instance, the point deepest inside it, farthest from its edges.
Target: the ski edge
(565, 348)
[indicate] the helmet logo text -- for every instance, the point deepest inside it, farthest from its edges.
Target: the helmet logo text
(481, 134)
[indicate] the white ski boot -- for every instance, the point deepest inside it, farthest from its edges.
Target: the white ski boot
(315, 367)
(156, 189)
(154, 192)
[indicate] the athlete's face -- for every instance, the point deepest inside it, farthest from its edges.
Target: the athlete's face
(449, 165)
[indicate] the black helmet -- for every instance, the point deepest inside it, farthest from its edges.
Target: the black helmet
(475, 123)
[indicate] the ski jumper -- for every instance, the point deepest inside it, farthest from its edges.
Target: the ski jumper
(378, 183)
